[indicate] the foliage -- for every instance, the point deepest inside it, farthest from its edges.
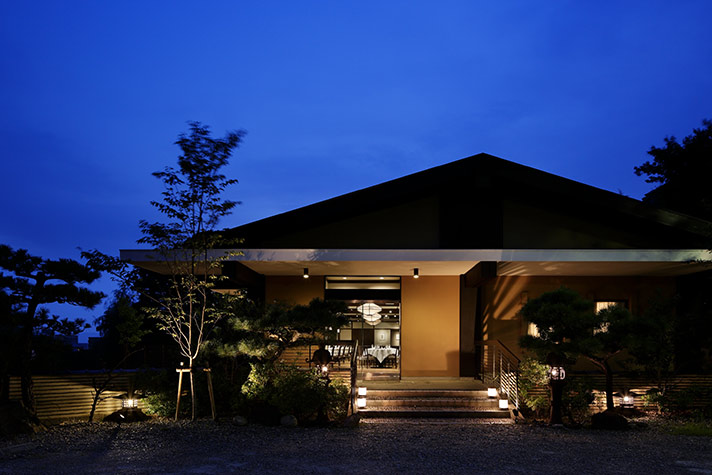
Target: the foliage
(569, 327)
(562, 318)
(693, 324)
(694, 428)
(670, 399)
(262, 332)
(576, 401)
(183, 246)
(30, 282)
(532, 375)
(159, 391)
(121, 327)
(272, 391)
(8, 344)
(653, 348)
(683, 171)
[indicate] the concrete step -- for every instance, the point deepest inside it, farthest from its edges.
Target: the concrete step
(434, 403)
(379, 376)
(436, 413)
(427, 393)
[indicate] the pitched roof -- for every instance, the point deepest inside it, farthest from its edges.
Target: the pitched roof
(477, 202)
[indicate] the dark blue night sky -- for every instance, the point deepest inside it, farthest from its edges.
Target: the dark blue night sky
(335, 96)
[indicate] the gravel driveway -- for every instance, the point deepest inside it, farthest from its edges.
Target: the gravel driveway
(384, 448)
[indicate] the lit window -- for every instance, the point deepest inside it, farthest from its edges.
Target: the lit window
(532, 330)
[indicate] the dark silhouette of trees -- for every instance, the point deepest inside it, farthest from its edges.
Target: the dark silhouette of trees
(121, 326)
(683, 171)
(30, 282)
(122, 330)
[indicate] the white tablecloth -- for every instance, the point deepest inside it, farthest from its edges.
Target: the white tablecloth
(381, 353)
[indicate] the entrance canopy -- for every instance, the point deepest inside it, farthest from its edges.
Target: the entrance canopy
(515, 262)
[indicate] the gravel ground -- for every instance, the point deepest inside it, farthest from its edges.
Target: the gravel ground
(386, 447)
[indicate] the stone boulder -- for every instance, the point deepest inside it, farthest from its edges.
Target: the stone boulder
(609, 420)
(126, 415)
(239, 421)
(288, 421)
(351, 421)
(16, 420)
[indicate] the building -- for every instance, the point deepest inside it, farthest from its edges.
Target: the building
(434, 262)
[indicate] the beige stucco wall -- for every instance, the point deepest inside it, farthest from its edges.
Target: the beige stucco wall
(295, 290)
(504, 296)
(430, 326)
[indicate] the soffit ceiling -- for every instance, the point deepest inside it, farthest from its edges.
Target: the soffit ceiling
(522, 262)
(426, 268)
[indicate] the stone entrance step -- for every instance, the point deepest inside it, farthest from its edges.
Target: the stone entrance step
(380, 376)
(431, 403)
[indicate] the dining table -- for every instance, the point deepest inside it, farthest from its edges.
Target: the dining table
(381, 353)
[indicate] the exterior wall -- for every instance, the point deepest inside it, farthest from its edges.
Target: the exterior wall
(294, 290)
(430, 326)
(503, 297)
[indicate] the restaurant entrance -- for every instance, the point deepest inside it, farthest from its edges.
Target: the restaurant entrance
(374, 318)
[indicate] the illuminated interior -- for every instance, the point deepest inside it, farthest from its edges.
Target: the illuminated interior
(374, 311)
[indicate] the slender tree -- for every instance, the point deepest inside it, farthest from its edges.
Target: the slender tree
(30, 282)
(121, 328)
(183, 246)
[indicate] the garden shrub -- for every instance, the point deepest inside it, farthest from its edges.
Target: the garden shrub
(532, 375)
(534, 392)
(159, 389)
(274, 391)
(701, 428)
(696, 399)
(576, 401)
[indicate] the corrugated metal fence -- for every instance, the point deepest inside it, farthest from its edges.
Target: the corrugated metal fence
(70, 396)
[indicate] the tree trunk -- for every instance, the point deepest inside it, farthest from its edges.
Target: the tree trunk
(557, 390)
(26, 389)
(609, 385)
(26, 385)
(192, 391)
(4, 382)
(95, 401)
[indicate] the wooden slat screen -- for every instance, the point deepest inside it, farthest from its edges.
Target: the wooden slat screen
(69, 396)
(638, 386)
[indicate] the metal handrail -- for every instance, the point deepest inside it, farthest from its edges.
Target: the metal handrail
(354, 376)
(504, 366)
